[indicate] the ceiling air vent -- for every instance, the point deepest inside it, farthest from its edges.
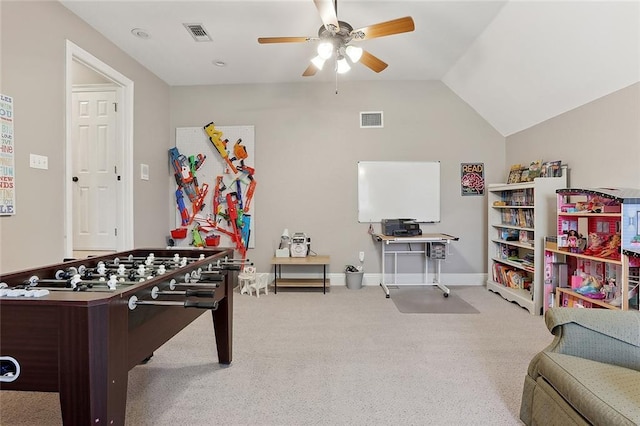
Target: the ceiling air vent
(198, 32)
(371, 120)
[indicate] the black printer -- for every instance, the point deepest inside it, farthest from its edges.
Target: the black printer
(401, 227)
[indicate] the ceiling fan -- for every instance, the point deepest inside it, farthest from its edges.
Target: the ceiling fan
(335, 37)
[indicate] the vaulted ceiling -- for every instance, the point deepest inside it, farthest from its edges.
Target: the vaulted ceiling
(517, 63)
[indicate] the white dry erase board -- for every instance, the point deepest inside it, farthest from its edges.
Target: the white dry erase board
(399, 189)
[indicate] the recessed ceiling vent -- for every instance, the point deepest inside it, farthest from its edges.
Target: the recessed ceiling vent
(198, 32)
(371, 119)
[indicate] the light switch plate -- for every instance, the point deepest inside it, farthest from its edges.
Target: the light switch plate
(38, 161)
(144, 171)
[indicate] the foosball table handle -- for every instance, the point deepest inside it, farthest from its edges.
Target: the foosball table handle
(201, 305)
(199, 293)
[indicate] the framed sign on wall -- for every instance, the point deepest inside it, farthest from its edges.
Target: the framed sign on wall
(7, 170)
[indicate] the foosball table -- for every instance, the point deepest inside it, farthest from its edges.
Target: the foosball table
(78, 327)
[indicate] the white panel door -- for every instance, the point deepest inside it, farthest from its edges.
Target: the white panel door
(94, 170)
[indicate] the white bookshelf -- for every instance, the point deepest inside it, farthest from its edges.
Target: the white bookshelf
(526, 210)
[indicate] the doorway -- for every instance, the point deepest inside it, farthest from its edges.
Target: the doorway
(113, 232)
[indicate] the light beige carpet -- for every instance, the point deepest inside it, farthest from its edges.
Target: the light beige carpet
(428, 300)
(345, 358)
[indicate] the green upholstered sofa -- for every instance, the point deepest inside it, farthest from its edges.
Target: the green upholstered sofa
(589, 374)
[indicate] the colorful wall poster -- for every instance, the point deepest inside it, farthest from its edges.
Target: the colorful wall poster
(7, 169)
(472, 178)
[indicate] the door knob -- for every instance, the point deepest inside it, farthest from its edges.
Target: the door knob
(75, 178)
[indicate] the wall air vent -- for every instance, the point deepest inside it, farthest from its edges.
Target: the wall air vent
(198, 32)
(371, 120)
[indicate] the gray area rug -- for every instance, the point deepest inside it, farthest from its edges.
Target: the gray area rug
(428, 300)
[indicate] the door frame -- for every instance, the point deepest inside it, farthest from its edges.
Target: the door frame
(124, 220)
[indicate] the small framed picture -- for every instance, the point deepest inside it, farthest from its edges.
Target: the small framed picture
(524, 176)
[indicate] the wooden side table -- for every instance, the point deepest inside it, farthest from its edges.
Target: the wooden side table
(318, 260)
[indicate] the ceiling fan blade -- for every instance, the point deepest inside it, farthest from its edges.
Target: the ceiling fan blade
(328, 14)
(310, 71)
(373, 62)
(264, 40)
(395, 26)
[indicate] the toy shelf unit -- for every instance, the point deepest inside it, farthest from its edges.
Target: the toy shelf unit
(520, 215)
(594, 260)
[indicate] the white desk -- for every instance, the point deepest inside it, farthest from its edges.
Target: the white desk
(425, 240)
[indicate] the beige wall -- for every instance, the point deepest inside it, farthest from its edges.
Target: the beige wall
(85, 75)
(308, 143)
(33, 73)
(600, 141)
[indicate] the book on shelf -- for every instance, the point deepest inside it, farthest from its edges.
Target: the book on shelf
(512, 254)
(514, 173)
(511, 277)
(508, 234)
(503, 251)
(517, 279)
(523, 197)
(535, 168)
(522, 219)
(551, 169)
(524, 237)
(517, 217)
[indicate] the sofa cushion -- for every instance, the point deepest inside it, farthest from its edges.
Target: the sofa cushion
(601, 393)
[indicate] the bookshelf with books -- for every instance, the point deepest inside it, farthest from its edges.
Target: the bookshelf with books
(601, 266)
(520, 215)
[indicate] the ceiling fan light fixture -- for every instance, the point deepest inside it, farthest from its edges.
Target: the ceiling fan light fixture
(354, 53)
(318, 62)
(342, 65)
(325, 49)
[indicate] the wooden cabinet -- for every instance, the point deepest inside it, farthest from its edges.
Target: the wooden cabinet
(600, 268)
(520, 215)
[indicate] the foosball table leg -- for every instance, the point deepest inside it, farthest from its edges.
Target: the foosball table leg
(222, 323)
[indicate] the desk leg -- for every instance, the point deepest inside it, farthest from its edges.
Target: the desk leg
(382, 283)
(436, 280)
(324, 279)
(275, 279)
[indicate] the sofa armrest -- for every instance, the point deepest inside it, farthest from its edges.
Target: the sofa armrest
(603, 335)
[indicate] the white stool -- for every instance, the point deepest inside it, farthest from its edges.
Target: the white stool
(261, 281)
(246, 278)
